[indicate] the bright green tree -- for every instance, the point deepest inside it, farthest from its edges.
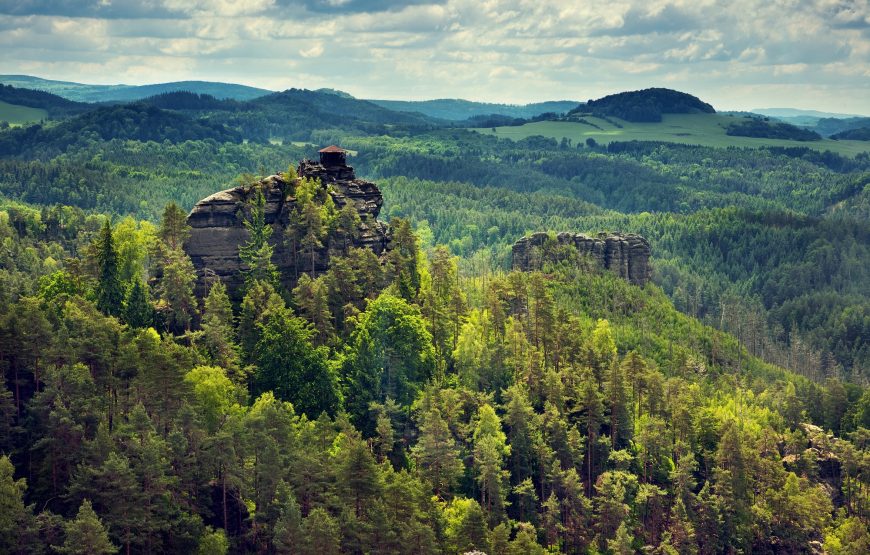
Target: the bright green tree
(86, 535)
(256, 253)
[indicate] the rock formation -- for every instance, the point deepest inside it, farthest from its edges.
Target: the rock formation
(217, 229)
(627, 255)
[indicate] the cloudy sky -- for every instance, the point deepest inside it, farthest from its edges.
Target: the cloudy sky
(736, 54)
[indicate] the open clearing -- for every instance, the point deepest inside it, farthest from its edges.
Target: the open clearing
(693, 129)
(19, 115)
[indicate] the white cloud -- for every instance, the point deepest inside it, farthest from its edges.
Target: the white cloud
(314, 51)
(507, 50)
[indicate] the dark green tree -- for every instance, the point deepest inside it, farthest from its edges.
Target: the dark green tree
(110, 293)
(290, 366)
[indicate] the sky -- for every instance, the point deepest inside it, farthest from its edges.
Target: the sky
(737, 54)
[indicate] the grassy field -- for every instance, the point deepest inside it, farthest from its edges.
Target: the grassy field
(19, 115)
(696, 129)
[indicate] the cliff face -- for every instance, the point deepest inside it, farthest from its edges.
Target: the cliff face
(217, 229)
(627, 255)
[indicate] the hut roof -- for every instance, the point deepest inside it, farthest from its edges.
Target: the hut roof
(331, 148)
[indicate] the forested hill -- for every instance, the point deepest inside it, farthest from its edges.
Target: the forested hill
(430, 399)
(132, 121)
(81, 92)
(385, 405)
(646, 105)
(54, 105)
(459, 110)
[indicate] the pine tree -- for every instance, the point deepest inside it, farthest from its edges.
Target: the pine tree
(490, 448)
(311, 297)
(320, 534)
(110, 294)
(86, 535)
(437, 453)
(173, 227)
(138, 310)
(218, 334)
(402, 259)
(256, 253)
(176, 290)
(15, 518)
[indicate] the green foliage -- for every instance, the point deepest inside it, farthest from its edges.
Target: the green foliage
(754, 127)
(256, 253)
(290, 366)
(86, 535)
(645, 105)
(110, 295)
(389, 355)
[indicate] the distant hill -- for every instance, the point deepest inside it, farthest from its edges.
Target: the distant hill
(833, 126)
(301, 115)
(646, 105)
(759, 128)
(183, 100)
(860, 134)
(459, 110)
(81, 92)
(55, 106)
(795, 112)
(133, 121)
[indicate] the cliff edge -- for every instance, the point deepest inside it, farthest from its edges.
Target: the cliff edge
(625, 254)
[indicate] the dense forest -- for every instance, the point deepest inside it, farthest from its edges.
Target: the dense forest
(647, 105)
(756, 127)
(432, 400)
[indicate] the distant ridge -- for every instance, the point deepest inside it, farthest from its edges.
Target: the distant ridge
(646, 105)
(795, 112)
(455, 109)
(81, 92)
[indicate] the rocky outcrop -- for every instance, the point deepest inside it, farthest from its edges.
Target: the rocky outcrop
(217, 229)
(625, 254)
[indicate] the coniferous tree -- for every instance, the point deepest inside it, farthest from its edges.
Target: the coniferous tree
(256, 253)
(138, 310)
(173, 227)
(176, 291)
(86, 535)
(490, 449)
(320, 534)
(110, 293)
(218, 333)
(437, 453)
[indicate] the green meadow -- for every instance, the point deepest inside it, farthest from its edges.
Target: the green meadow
(19, 115)
(694, 129)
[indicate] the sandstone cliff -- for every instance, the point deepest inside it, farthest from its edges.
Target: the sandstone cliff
(217, 228)
(627, 255)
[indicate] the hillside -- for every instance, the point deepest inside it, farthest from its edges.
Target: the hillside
(761, 129)
(458, 110)
(50, 105)
(303, 115)
(128, 122)
(646, 105)
(471, 340)
(81, 92)
(858, 134)
(689, 129)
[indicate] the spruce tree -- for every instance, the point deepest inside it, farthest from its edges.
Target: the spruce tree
(110, 294)
(138, 310)
(256, 253)
(86, 535)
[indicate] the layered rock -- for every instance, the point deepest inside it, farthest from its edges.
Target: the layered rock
(217, 229)
(625, 254)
